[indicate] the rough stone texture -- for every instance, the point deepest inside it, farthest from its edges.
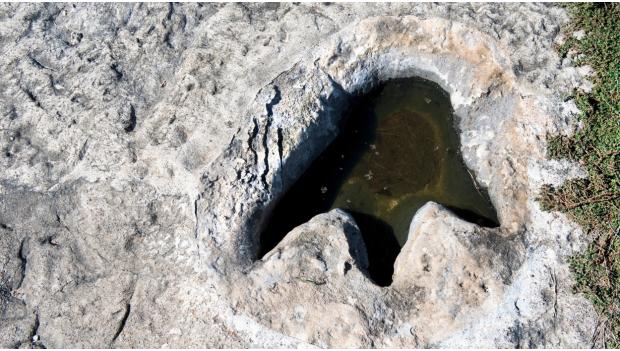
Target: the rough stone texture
(143, 146)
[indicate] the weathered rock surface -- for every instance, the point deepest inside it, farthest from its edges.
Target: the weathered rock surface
(143, 147)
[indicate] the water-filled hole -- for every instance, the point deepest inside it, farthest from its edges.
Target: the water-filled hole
(397, 149)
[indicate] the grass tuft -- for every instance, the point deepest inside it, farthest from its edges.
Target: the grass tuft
(594, 202)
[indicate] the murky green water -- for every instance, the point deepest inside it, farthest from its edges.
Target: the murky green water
(396, 151)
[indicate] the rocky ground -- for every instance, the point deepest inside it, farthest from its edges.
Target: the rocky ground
(143, 147)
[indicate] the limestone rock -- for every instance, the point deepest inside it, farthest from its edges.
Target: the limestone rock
(143, 147)
(311, 277)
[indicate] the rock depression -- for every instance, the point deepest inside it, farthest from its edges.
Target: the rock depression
(145, 152)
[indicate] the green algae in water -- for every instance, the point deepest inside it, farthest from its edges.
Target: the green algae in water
(397, 149)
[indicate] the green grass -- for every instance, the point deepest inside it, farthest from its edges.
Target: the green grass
(595, 202)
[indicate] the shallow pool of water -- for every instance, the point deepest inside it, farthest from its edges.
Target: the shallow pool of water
(397, 149)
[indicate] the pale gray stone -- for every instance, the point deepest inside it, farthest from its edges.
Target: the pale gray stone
(143, 147)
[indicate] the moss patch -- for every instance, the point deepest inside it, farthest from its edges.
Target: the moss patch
(594, 202)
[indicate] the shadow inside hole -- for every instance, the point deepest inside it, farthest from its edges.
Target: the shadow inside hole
(396, 150)
(382, 246)
(473, 217)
